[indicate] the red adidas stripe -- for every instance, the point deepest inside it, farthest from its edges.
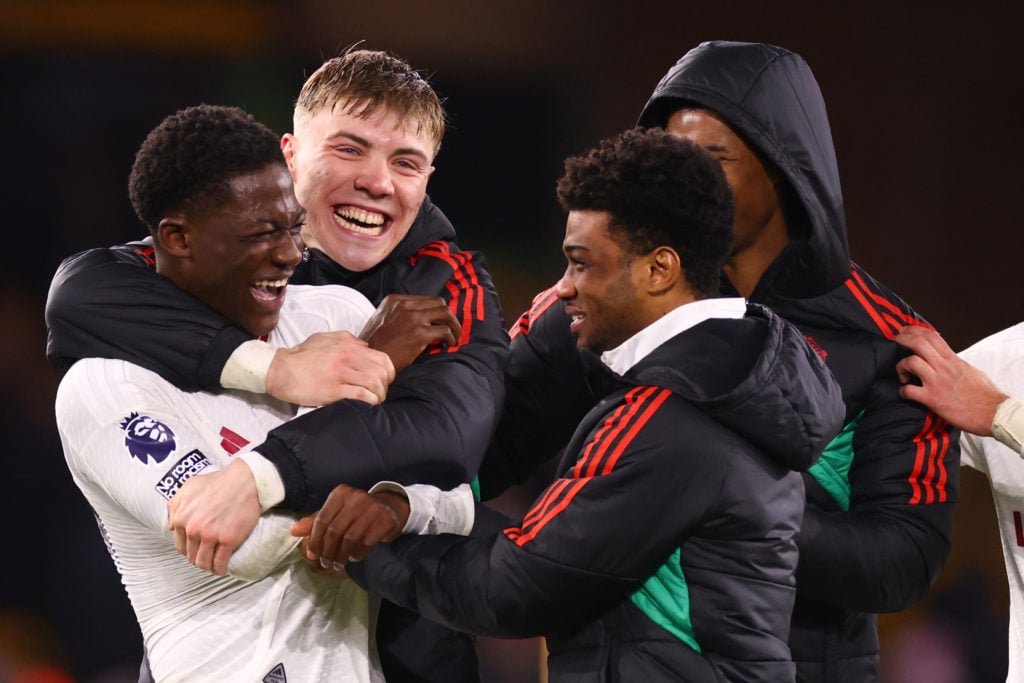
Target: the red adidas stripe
(540, 303)
(885, 314)
(932, 446)
(618, 430)
(467, 299)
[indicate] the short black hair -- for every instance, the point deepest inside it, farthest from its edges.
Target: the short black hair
(192, 156)
(660, 190)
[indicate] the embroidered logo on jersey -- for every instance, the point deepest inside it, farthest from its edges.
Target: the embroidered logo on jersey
(276, 675)
(148, 441)
(817, 347)
(193, 463)
(231, 441)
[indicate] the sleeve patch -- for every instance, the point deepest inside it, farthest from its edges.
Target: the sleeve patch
(148, 440)
(193, 463)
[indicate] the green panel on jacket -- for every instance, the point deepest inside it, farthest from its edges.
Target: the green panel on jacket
(665, 599)
(832, 470)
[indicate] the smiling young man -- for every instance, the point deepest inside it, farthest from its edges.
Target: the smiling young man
(880, 500)
(665, 550)
(213, 188)
(366, 130)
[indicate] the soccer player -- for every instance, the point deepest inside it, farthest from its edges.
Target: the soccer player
(366, 130)
(213, 187)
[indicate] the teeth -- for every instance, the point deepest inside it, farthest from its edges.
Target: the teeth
(270, 283)
(357, 220)
(361, 216)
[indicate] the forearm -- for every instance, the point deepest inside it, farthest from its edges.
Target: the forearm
(881, 562)
(107, 303)
(435, 434)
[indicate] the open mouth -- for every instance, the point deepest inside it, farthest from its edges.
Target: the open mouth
(268, 290)
(360, 221)
(576, 319)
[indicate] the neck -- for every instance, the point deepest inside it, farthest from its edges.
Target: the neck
(748, 263)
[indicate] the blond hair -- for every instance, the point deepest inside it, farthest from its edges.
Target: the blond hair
(365, 81)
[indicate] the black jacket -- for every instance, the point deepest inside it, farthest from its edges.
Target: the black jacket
(880, 501)
(665, 549)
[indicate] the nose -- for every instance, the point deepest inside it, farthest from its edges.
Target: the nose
(287, 252)
(564, 288)
(374, 177)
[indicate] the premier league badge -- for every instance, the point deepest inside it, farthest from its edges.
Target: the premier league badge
(148, 440)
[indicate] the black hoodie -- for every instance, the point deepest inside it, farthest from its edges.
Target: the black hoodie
(880, 501)
(664, 550)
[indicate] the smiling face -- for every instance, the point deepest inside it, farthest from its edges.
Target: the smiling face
(237, 256)
(361, 179)
(601, 285)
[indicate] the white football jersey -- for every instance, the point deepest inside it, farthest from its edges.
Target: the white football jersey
(1001, 357)
(131, 440)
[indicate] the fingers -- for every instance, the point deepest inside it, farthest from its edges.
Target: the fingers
(303, 527)
(925, 342)
(349, 525)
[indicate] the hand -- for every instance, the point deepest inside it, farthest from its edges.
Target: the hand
(405, 324)
(213, 514)
(328, 367)
(350, 524)
(959, 392)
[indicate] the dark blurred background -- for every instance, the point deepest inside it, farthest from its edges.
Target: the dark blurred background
(923, 103)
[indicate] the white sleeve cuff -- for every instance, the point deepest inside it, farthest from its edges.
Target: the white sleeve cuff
(269, 485)
(1008, 424)
(248, 366)
(433, 511)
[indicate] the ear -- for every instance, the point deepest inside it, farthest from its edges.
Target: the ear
(664, 270)
(174, 236)
(288, 150)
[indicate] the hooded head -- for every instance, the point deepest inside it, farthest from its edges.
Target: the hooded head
(769, 98)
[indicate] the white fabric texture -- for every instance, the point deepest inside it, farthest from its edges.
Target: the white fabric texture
(131, 439)
(1001, 357)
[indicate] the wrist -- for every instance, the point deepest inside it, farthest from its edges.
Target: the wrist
(266, 479)
(1008, 424)
(397, 503)
(248, 368)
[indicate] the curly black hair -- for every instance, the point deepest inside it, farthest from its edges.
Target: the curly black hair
(660, 190)
(193, 155)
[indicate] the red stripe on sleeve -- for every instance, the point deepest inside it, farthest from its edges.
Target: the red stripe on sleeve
(540, 303)
(932, 446)
(869, 309)
(887, 316)
(467, 298)
(643, 403)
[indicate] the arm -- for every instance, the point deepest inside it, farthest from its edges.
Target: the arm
(578, 550)
(110, 303)
(96, 416)
(438, 417)
(546, 396)
(433, 428)
(887, 549)
(351, 522)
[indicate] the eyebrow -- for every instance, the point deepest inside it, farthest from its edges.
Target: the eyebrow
(358, 139)
(716, 148)
(572, 248)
